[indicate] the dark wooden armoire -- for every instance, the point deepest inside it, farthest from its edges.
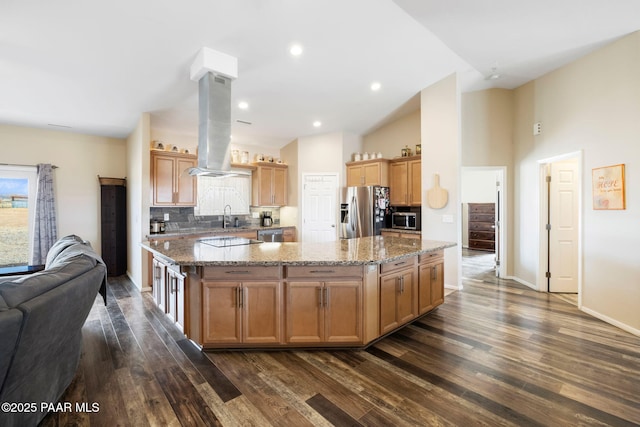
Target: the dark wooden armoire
(114, 224)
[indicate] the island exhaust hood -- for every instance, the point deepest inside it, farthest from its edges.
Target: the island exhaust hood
(214, 72)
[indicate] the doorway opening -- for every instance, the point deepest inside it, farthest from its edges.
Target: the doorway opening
(484, 222)
(560, 224)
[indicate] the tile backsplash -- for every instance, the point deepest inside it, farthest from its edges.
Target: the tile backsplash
(184, 218)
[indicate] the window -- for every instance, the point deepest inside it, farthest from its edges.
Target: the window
(17, 199)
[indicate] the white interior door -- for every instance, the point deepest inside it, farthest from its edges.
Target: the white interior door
(319, 211)
(563, 226)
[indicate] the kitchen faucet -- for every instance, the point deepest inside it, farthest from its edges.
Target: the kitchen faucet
(226, 223)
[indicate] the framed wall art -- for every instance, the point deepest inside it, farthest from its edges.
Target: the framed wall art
(608, 187)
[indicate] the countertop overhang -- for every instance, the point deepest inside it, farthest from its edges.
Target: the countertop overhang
(358, 251)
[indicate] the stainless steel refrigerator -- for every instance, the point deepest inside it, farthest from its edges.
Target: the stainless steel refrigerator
(364, 211)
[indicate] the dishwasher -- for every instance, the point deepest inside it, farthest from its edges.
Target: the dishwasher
(274, 235)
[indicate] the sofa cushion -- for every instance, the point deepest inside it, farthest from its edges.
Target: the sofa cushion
(59, 246)
(24, 288)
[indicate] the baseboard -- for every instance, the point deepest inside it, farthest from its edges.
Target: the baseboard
(611, 321)
(136, 285)
(457, 288)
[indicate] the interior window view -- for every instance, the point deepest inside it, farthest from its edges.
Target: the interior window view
(389, 213)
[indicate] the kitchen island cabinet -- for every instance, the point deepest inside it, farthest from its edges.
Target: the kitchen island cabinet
(430, 281)
(327, 310)
(241, 305)
(398, 294)
(347, 293)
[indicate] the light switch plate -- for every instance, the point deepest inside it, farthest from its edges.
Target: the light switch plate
(166, 217)
(447, 218)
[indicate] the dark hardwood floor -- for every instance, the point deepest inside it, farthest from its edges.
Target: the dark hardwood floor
(492, 354)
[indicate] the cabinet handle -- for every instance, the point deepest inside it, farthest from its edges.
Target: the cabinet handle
(322, 271)
(326, 297)
(400, 263)
(319, 297)
(238, 297)
(237, 272)
(434, 272)
(241, 294)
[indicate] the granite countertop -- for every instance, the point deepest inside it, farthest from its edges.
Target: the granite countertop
(401, 230)
(196, 231)
(359, 251)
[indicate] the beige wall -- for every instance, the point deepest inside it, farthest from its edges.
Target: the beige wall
(392, 138)
(591, 107)
(488, 122)
(440, 117)
(487, 128)
(138, 201)
(80, 159)
(289, 155)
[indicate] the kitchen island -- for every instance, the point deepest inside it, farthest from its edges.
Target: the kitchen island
(245, 294)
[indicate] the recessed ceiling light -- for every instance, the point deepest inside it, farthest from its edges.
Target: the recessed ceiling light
(243, 105)
(295, 50)
(375, 86)
(317, 124)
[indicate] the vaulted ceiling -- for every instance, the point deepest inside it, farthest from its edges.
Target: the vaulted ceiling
(94, 67)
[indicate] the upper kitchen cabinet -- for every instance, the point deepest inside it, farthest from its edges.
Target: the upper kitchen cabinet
(405, 188)
(171, 184)
(368, 172)
(269, 184)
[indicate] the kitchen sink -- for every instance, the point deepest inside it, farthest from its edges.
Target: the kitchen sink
(224, 241)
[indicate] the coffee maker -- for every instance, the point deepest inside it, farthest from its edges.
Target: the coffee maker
(267, 221)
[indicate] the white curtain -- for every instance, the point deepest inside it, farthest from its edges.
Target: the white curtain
(45, 229)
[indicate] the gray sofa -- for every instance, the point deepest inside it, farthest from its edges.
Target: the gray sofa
(41, 318)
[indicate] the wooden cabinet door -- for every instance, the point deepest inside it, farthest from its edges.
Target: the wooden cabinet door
(398, 184)
(305, 314)
(388, 307)
(398, 299)
(390, 233)
(371, 173)
(406, 297)
(289, 234)
(343, 311)
(163, 171)
(221, 313)
(171, 183)
(437, 284)
(354, 176)
(186, 185)
(279, 184)
(265, 178)
(261, 304)
(414, 175)
(431, 286)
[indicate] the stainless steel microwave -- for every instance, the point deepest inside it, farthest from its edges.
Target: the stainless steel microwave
(405, 220)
